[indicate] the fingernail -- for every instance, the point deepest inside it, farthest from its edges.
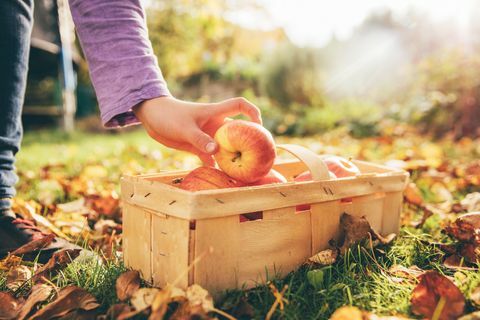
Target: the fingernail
(210, 147)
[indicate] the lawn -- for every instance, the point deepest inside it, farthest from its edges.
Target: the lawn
(73, 181)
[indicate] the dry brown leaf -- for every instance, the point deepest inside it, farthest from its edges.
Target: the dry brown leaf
(119, 311)
(17, 276)
(127, 284)
(471, 202)
(160, 303)
(354, 230)
(9, 262)
(9, 306)
(40, 293)
(103, 204)
(59, 260)
(325, 257)
(143, 298)
(413, 195)
(69, 299)
(466, 228)
(34, 245)
(198, 296)
(435, 290)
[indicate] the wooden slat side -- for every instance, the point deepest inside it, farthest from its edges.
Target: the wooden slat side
(217, 244)
(274, 246)
(136, 240)
(170, 244)
(250, 199)
(325, 218)
(371, 207)
(392, 209)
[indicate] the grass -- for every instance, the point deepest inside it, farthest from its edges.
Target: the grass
(360, 278)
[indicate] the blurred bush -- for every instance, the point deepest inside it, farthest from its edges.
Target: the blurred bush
(292, 75)
(445, 99)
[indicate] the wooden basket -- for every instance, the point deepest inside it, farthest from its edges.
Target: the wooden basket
(166, 229)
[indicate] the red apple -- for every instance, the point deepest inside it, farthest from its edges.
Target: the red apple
(341, 167)
(246, 150)
(206, 178)
(272, 177)
(307, 176)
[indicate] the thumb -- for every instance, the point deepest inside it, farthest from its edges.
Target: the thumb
(202, 141)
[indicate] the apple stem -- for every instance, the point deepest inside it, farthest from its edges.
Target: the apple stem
(238, 155)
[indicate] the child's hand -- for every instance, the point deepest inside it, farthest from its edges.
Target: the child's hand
(190, 126)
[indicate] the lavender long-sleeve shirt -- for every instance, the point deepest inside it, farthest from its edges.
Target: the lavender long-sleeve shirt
(123, 68)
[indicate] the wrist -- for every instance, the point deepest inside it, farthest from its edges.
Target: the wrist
(140, 108)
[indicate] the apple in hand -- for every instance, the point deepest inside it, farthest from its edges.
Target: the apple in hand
(272, 177)
(206, 178)
(341, 167)
(246, 150)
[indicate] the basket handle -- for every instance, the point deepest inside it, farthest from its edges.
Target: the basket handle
(314, 163)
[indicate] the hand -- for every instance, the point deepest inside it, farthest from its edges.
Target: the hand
(190, 126)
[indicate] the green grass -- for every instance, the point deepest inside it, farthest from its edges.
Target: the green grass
(360, 278)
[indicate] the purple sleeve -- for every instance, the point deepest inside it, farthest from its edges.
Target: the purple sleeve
(123, 68)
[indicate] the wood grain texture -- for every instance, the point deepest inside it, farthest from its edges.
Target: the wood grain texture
(325, 222)
(392, 208)
(137, 240)
(273, 246)
(170, 251)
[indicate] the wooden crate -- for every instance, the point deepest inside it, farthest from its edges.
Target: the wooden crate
(181, 237)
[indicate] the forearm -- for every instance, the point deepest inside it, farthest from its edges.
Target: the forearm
(123, 68)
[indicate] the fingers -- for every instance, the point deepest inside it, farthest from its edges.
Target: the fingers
(200, 140)
(236, 106)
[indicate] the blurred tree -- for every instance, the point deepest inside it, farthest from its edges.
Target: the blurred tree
(292, 75)
(446, 95)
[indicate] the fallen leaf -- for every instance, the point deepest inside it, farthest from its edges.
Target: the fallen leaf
(160, 303)
(354, 230)
(59, 260)
(9, 262)
(69, 299)
(198, 296)
(466, 227)
(435, 291)
(143, 298)
(127, 284)
(325, 257)
(119, 311)
(34, 245)
(40, 292)
(471, 202)
(347, 313)
(9, 306)
(17, 276)
(103, 204)
(413, 195)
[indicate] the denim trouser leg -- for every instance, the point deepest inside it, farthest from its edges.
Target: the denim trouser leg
(15, 30)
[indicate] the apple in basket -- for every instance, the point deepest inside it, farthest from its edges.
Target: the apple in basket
(206, 178)
(341, 167)
(246, 150)
(272, 177)
(307, 176)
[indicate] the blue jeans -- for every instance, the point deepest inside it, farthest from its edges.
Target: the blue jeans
(15, 30)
